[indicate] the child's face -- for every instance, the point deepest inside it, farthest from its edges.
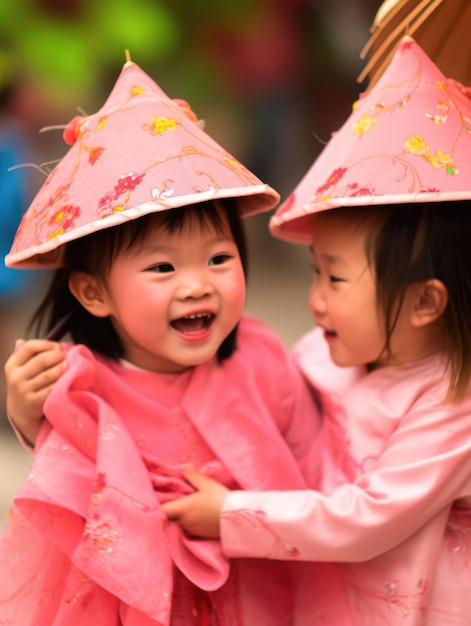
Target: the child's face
(343, 295)
(174, 298)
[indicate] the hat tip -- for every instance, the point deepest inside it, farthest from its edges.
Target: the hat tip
(127, 56)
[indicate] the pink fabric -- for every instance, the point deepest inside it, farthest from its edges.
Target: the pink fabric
(87, 541)
(396, 503)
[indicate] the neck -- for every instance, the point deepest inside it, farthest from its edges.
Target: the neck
(418, 344)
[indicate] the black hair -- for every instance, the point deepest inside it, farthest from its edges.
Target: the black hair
(420, 242)
(94, 254)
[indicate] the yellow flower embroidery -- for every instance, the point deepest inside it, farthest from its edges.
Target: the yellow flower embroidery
(416, 145)
(161, 124)
(137, 90)
(102, 123)
(55, 233)
(442, 159)
(364, 124)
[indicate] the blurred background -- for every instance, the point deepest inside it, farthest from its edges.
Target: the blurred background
(271, 78)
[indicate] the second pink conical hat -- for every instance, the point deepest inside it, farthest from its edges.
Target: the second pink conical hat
(407, 140)
(142, 152)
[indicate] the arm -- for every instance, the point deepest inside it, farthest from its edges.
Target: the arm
(425, 466)
(31, 371)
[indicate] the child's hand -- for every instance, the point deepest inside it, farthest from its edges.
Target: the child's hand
(198, 514)
(31, 372)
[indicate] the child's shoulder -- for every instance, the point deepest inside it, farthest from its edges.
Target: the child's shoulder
(261, 357)
(312, 355)
(254, 335)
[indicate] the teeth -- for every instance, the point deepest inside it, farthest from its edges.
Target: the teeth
(197, 316)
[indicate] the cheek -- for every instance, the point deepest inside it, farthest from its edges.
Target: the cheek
(240, 288)
(311, 294)
(134, 299)
(235, 288)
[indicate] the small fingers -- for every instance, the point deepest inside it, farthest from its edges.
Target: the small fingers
(43, 366)
(197, 479)
(174, 509)
(49, 377)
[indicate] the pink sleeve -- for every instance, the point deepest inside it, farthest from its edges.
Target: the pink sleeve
(425, 466)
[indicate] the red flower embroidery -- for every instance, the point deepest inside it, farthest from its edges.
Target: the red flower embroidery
(94, 154)
(59, 194)
(107, 200)
(332, 180)
(64, 217)
(363, 191)
(429, 190)
(128, 182)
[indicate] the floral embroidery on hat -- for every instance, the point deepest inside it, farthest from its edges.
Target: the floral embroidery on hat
(417, 145)
(408, 137)
(142, 152)
(364, 124)
(332, 180)
(109, 204)
(160, 125)
(63, 220)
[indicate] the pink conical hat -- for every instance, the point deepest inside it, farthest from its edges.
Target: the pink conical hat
(407, 140)
(142, 152)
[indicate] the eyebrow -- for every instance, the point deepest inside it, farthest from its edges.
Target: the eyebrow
(331, 258)
(156, 248)
(334, 258)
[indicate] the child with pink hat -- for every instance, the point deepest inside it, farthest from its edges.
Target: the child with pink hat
(386, 210)
(141, 222)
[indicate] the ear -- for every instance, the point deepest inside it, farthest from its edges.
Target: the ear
(90, 292)
(431, 298)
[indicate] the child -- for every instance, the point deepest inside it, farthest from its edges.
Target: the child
(141, 220)
(386, 209)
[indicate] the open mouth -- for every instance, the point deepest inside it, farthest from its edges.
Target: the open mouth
(195, 323)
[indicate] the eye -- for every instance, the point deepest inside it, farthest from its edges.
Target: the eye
(219, 259)
(315, 269)
(336, 279)
(162, 268)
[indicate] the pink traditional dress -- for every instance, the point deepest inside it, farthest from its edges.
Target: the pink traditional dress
(87, 542)
(395, 507)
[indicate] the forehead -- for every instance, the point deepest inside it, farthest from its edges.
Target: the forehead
(330, 226)
(343, 236)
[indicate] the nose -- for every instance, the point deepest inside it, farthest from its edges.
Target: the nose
(316, 299)
(194, 285)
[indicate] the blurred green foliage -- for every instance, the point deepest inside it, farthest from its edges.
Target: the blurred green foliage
(66, 45)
